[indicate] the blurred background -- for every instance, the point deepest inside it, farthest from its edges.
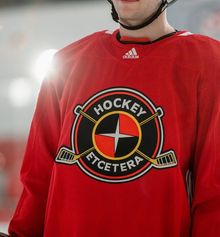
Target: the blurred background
(31, 31)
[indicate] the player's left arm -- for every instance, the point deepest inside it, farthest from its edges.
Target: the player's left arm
(206, 168)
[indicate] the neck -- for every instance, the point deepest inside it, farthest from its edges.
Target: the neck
(153, 31)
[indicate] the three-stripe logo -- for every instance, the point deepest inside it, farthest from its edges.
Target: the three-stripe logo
(131, 54)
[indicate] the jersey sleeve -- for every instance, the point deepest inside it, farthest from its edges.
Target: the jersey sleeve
(206, 170)
(28, 219)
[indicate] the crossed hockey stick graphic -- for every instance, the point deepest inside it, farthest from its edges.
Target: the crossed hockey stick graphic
(165, 160)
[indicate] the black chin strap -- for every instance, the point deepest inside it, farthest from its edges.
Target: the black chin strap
(148, 21)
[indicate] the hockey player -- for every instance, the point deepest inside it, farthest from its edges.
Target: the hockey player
(120, 123)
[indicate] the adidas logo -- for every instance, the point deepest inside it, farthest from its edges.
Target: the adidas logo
(131, 54)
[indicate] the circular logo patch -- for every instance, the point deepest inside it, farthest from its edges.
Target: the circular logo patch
(117, 136)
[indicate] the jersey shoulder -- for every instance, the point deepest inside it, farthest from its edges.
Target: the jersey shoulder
(79, 47)
(202, 45)
(63, 60)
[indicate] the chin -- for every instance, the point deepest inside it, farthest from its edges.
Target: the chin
(127, 15)
(128, 18)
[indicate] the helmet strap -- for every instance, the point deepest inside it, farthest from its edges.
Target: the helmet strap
(147, 22)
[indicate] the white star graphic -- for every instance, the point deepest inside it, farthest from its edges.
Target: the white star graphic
(116, 135)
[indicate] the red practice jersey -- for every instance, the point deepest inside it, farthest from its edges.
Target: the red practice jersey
(118, 128)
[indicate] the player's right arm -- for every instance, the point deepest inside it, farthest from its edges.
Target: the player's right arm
(36, 171)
